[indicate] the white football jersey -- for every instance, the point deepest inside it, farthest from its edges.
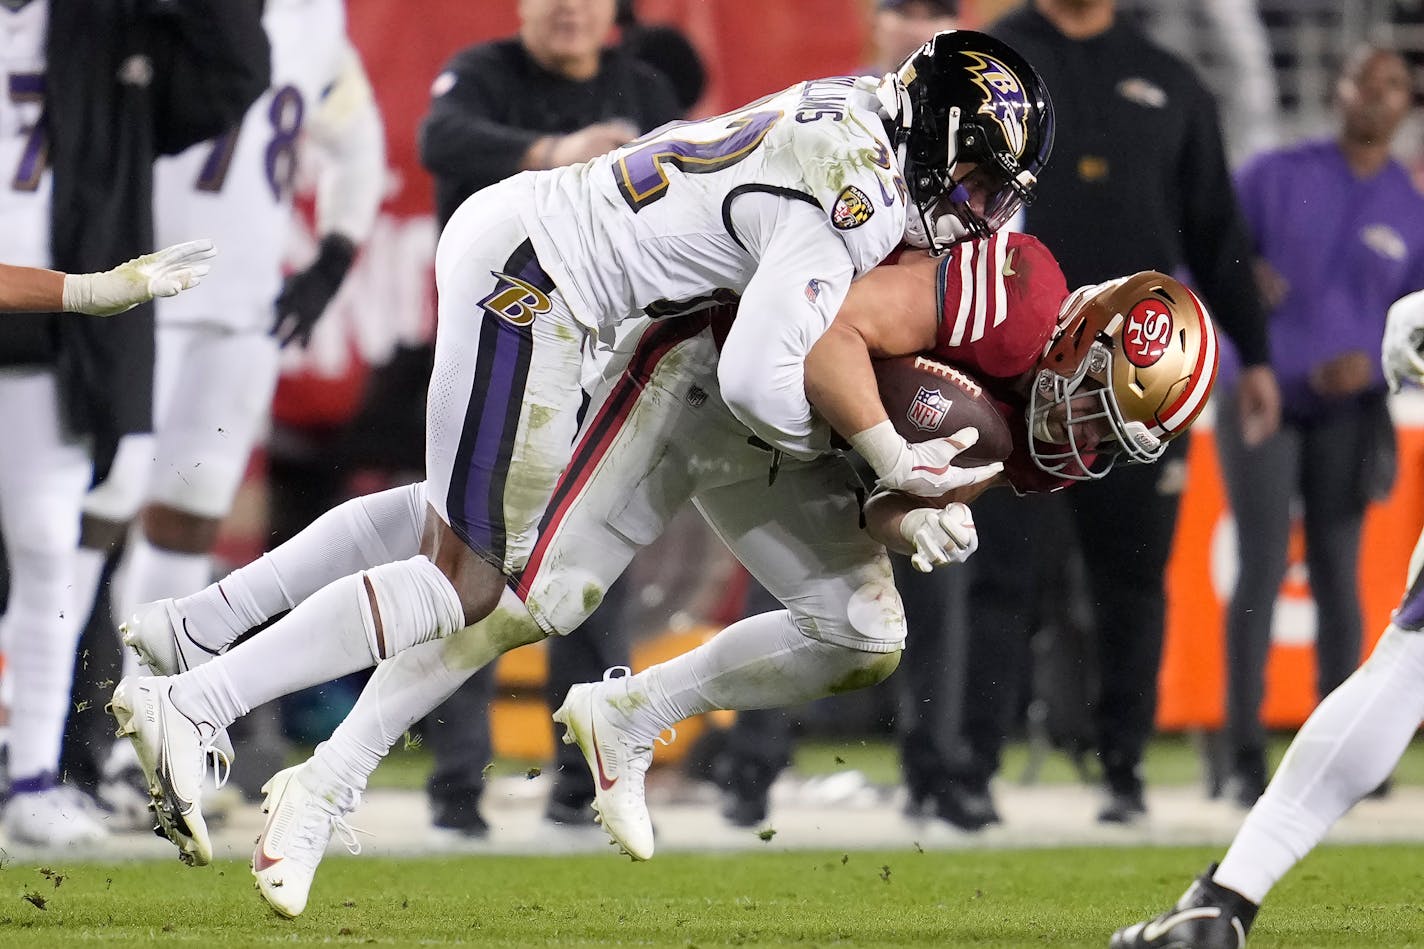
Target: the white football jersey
(25, 187)
(237, 188)
(649, 225)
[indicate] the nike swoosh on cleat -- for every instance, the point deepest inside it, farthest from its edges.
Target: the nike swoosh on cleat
(1165, 924)
(604, 781)
(937, 471)
(260, 860)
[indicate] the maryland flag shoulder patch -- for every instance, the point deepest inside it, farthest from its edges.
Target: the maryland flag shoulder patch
(851, 210)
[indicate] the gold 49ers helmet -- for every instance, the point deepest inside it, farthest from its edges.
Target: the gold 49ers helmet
(1128, 368)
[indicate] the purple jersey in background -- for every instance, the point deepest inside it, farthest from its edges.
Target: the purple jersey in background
(1347, 248)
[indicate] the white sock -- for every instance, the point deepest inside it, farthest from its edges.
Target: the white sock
(1350, 743)
(760, 662)
(402, 691)
(409, 686)
(330, 634)
(41, 630)
(88, 572)
(153, 573)
(324, 638)
(358, 534)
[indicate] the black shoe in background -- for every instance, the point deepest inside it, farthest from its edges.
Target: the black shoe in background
(967, 805)
(1125, 804)
(746, 788)
(1208, 916)
(571, 804)
(745, 807)
(459, 811)
(1248, 777)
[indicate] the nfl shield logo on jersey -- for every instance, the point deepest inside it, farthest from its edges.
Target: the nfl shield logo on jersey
(928, 409)
(852, 209)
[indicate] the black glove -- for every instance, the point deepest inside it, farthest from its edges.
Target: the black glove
(305, 294)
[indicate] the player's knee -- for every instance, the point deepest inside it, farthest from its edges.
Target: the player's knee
(408, 603)
(183, 531)
(507, 627)
(864, 669)
(510, 625)
(873, 615)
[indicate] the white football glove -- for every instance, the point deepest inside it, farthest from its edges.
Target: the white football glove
(925, 469)
(939, 536)
(1403, 336)
(163, 273)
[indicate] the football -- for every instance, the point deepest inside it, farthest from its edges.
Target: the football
(928, 399)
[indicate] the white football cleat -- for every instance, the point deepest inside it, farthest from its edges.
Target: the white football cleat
(173, 751)
(56, 817)
(619, 764)
(158, 634)
(299, 826)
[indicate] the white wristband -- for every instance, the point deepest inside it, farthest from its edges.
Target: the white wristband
(78, 292)
(881, 446)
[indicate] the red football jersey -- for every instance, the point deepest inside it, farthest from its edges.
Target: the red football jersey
(998, 306)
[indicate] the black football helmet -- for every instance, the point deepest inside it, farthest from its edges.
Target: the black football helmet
(966, 97)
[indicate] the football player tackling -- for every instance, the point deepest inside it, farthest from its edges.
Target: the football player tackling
(782, 203)
(799, 534)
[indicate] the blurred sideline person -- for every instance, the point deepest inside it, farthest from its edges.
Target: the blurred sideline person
(1231, 36)
(902, 26)
(1339, 230)
(783, 217)
(1140, 156)
(554, 95)
(1348, 745)
(217, 350)
(930, 692)
(96, 93)
(668, 50)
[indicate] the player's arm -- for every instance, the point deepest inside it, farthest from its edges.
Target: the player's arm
(802, 275)
(30, 290)
(891, 311)
(163, 273)
(347, 130)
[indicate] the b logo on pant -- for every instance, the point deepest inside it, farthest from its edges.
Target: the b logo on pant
(515, 300)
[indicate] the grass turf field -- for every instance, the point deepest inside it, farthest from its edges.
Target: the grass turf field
(1341, 896)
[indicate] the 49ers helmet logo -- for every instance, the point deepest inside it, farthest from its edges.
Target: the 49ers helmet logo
(1148, 331)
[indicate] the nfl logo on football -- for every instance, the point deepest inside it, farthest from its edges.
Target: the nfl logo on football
(928, 409)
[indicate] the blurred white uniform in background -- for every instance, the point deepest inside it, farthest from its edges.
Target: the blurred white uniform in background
(217, 360)
(217, 355)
